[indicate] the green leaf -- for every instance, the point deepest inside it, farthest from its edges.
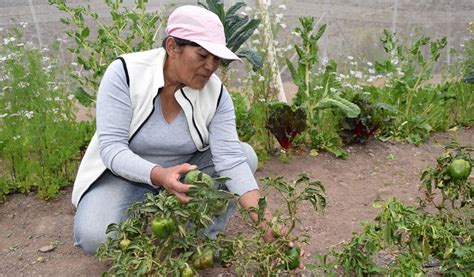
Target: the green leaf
(85, 32)
(83, 97)
(350, 109)
(252, 57)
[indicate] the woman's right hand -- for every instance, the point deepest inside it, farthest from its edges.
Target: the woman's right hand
(168, 178)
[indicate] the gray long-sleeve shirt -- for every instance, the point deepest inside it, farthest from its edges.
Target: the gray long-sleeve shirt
(161, 143)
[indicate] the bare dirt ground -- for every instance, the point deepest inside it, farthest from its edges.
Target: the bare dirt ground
(374, 171)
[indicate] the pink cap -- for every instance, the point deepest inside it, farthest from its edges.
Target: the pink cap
(201, 26)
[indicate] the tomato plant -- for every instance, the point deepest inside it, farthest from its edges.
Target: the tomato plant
(450, 178)
(164, 237)
(413, 236)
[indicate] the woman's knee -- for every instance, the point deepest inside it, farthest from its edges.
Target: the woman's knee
(251, 156)
(90, 236)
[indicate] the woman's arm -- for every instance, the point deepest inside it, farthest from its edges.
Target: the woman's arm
(113, 116)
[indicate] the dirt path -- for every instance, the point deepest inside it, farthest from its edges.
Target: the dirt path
(373, 171)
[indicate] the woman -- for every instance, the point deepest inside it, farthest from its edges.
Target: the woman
(161, 113)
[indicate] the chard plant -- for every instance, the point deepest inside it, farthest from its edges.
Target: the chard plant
(40, 140)
(257, 90)
(98, 41)
(318, 95)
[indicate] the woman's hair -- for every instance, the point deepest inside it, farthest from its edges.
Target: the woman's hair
(179, 42)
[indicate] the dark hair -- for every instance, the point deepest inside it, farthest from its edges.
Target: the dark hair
(179, 42)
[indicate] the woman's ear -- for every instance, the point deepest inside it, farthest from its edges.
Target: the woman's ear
(170, 46)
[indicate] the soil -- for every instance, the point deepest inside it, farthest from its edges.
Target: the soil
(374, 171)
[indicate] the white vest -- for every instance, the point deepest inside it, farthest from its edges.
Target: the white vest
(144, 71)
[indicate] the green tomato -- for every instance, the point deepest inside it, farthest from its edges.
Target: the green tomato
(162, 227)
(124, 244)
(207, 258)
(197, 177)
(459, 169)
(219, 206)
(191, 176)
(203, 260)
(187, 271)
(293, 256)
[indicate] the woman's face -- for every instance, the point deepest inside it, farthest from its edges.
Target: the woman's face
(194, 66)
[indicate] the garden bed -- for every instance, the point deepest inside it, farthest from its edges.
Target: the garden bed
(372, 172)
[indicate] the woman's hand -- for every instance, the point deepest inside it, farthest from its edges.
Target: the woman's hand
(169, 177)
(249, 200)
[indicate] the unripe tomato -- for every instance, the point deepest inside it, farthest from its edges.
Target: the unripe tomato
(204, 259)
(162, 227)
(207, 258)
(187, 272)
(195, 177)
(191, 176)
(124, 244)
(459, 169)
(219, 206)
(293, 256)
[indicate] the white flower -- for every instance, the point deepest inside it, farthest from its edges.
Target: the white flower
(23, 84)
(370, 64)
(243, 13)
(333, 90)
(283, 25)
(2, 59)
(395, 61)
(282, 6)
(29, 114)
(358, 74)
(24, 24)
(350, 58)
(74, 64)
(6, 41)
(256, 32)
(296, 34)
(324, 61)
(16, 137)
(70, 96)
(371, 71)
(261, 78)
(45, 59)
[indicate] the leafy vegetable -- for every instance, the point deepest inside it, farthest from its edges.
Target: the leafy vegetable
(285, 123)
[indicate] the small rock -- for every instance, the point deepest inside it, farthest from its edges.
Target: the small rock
(47, 248)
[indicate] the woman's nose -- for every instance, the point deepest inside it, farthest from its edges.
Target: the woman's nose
(212, 63)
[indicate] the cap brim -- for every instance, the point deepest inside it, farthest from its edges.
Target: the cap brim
(217, 50)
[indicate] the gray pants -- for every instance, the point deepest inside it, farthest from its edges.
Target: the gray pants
(108, 198)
